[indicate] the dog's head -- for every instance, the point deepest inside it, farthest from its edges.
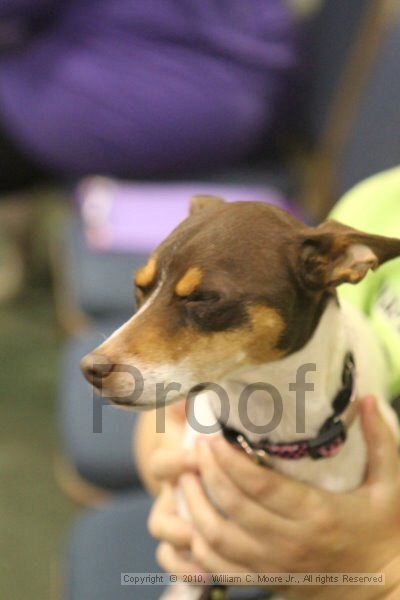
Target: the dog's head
(233, 286)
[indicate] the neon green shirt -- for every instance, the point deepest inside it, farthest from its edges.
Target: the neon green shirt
(374, 206)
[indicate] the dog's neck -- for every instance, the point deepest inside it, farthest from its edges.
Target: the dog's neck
(302, 415)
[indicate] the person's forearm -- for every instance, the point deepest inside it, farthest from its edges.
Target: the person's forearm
(392, 579)
(389, 591)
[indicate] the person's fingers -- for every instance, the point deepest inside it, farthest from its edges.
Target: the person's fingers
(168, 464)
(171, 529)
(210, 561)
(279, 494)
(224, 536)
(232, 501)
(166, 501)
(165, 525)
(174, 561)
(383, 456)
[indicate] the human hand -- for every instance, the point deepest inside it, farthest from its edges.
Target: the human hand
(166, 464)
(158, 452)
(272, 523)
(169, 459)
(174, 533)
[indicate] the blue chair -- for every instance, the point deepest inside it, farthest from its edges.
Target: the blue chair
(103, 544)
(95, 438)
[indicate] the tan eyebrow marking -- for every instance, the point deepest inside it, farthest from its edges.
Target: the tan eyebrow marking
(146, 274)
(189, 282)
(266, 323)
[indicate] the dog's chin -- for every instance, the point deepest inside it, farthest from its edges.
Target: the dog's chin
(129, 403)
(126, 405)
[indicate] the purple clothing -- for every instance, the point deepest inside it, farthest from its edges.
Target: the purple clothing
(134, 217)
(144, 87)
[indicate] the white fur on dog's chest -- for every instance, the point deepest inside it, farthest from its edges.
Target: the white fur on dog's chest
(339, 473)
(341, 329)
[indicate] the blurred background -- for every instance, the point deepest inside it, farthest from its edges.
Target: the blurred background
(112, 114)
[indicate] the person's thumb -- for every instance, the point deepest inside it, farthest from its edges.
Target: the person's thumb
(382, 448)
(168, 465)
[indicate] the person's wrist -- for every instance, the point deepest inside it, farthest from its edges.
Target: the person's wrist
(391, 588)
(389, 591)
(392, 579)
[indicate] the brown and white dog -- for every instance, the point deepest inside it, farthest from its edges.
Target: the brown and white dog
(241, 293)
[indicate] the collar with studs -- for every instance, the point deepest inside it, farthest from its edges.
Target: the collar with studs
(326, 443)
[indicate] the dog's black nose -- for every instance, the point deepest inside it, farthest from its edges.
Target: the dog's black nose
(96, 367)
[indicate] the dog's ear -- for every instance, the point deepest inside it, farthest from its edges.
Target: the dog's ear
(333, 253)
(202, 202)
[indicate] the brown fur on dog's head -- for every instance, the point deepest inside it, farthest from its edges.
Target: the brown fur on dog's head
(234, 285)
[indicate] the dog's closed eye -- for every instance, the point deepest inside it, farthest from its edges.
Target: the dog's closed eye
(209, 311)
(199, 296)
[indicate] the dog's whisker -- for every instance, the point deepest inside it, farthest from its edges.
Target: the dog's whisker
(102, 336)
